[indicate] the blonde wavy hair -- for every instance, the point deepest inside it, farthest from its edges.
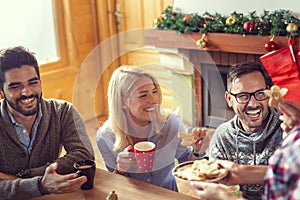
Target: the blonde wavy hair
(120, 87)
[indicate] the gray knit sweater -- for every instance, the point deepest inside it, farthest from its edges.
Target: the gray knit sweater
(230, 142)
(60, 126)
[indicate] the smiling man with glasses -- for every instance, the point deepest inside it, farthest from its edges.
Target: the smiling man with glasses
(254, 133)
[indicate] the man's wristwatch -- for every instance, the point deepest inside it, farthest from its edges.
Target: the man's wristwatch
(42, 191)
(24, 173)
(199, 155)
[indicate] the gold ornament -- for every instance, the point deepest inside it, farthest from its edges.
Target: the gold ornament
(201, 43)
(112, 196)
(291, 27)
(157, 20)
(230, 21)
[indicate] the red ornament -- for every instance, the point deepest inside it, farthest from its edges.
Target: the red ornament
(248, 26)
(186, 18)
(270, 46)
(298, 58)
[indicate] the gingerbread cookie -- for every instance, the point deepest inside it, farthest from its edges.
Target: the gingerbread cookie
(275, 95)
(187, 138)
(186, 172)
(208, 169)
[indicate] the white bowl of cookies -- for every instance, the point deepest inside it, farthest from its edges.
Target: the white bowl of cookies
(198, 170)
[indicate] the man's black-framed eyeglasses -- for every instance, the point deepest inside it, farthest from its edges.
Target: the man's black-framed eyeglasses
(244, 97)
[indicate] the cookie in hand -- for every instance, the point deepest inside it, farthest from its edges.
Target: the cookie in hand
(187, 138)
(275, 95)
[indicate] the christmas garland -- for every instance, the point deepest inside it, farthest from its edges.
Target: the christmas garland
(275, 23)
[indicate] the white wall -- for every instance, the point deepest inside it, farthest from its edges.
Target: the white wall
(228, 6)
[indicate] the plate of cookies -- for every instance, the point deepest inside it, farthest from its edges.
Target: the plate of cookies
(199, 170)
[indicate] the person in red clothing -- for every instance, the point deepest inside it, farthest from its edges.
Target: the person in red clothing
(281, 178)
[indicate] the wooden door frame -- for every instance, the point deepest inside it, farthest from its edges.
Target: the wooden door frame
(106, 28)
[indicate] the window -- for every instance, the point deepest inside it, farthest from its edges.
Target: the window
(31, 24)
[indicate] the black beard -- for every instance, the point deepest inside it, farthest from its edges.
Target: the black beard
(19, 110)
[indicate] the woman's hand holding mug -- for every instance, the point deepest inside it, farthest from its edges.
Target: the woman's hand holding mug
(125, 160)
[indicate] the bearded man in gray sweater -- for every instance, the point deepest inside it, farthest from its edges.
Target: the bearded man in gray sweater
(33, 131)
(254, 133)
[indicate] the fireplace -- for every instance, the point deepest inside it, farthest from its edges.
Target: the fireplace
(215, 109)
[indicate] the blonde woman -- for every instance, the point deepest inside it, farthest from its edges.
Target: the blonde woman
(134, 99)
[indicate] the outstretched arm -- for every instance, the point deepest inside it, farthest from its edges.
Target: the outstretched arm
(243, 174)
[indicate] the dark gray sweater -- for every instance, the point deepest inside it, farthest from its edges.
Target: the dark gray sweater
(230, 142)
(60, 126)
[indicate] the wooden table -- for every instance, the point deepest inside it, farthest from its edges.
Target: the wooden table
(126, 189)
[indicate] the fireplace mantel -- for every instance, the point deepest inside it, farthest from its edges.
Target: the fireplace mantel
(222, 42)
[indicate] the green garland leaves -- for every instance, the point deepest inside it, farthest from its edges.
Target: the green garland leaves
(275, 23)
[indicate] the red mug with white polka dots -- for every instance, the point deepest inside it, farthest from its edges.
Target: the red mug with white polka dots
(144, 155)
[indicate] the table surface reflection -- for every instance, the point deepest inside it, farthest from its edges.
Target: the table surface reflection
(126, 189)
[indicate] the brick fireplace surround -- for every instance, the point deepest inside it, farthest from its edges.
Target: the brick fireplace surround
(224, 49)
